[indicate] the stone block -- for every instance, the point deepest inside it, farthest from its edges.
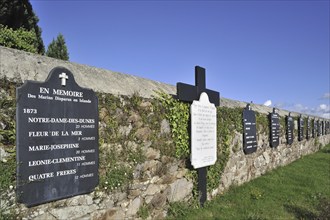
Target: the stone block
(179, 190)
(158, 201)
(114, 214)
(165, 127)
(152, 189)
(152, 154)
(266, 157)
(143, 133)
(134, 206)
(73, 211)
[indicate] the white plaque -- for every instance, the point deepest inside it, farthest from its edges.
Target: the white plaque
(203, 132)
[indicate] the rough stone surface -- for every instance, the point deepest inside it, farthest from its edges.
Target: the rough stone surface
(113, 214)
(158, 201)
(73, 211)
(133, 208)
(152, 154)
(152, 189)
(143, 133)
(165, 127)
(36, 67)
(3, 154)
(45, 216)
(266, 156)
(125, 130)
(180, 189)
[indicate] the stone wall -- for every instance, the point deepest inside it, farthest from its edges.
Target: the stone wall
(19, 65)
(136, 144)
(242, 168)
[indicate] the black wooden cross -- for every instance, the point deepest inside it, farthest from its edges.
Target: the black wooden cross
(189, 93)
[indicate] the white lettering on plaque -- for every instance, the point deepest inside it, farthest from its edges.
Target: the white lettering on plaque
(203, 132)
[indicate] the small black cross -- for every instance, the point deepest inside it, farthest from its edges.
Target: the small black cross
(189, 93)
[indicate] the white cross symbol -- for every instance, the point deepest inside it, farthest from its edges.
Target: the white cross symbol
(63, 78)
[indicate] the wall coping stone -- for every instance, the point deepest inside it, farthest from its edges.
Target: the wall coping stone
(19, 66)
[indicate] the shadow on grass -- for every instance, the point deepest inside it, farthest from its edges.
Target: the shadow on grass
(300, 212)
(326, 150)
(323, 208)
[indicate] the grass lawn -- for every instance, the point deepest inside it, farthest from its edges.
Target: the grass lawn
(300, 190)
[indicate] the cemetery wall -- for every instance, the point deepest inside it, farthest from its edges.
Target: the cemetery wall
(143, 166)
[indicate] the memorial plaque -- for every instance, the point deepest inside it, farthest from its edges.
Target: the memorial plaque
(308, 129)
(327, 127)
(314, 129)
(274, 119)
(189, 93)
(249, 130)
(323, 127)
(289, 129)
(300, 128)
(203, 132)
(319, 130)
(57, 139)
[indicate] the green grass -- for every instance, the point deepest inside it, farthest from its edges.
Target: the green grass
(300, 190)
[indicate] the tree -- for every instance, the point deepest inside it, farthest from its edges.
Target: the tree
(20, 39)
(18, 14)
(57, 48)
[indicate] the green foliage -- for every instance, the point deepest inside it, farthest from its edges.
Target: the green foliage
(57, 48)
(178, 210)
(7, 112)
(229, 120)
(120, 152)
(143, 212)
(20, 39)
(8, 134)
(177, 113)
(7, 214)
(262, 122)
(18, 14)
(282, 126)
(116, 177)
(8, 172)
(256, 193)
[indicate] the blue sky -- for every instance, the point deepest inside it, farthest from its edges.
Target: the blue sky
(275, 51)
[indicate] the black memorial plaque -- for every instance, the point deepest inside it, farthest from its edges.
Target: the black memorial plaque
(289, 129)
(57, 139)
(319, 130)
(314, 129)
(249, 130)
(323, 127)
(327, 127)
(300, 128)
(308, 129)
(274, 120)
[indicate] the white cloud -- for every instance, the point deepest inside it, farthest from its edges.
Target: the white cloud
(326, 95)
(322, 110)
(268, 103)
(323, 106)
